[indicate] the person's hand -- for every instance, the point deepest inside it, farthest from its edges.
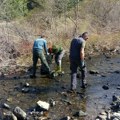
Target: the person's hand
(48, 53)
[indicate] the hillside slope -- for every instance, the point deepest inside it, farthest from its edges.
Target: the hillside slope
(60, 20)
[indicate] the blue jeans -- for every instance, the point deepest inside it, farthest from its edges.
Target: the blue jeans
(74, 64)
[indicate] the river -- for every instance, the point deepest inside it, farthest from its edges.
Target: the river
(92, 100)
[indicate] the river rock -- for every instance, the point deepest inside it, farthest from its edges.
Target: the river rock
(103, 76)
(101, 117)
(27, 85)
(116, 115)
(6, 106)
(94, 72)
(108, 56)
(10, 116)
(116, 98)
(117, 71)
(43, 105)
(105, 87)
(80, 114)
(10, 99)
(115, 119)
(115, 106)
(118, 87)
(36, 113)
(41, 118)
(20, 113)
(103, 113)
(66, 118)
(116, 103)
(25, 90)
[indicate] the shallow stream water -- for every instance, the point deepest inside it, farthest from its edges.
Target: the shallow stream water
(92, 100)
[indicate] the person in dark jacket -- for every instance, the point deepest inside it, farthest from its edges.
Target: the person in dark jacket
(77, 55)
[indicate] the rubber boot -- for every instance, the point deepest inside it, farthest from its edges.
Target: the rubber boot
(59, 69)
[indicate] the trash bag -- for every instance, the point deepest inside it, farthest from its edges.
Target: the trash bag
(43, 69)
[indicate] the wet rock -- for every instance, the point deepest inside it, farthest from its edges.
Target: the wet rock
(118, 87)
(41, 118)
(25, 90)
(80, 114)
(115, 119)
(74, 119)
(105, 87)
(108, 56)
(66, 118)
(101, 117)
(103, 113)
(16, 77)
(6, 106)
(94, 72)
(115, 98)
(117, 71)
(115, 106)
(19, 113)
(43, 105)
(97, 119)
(52, 103)
(36, 113)
(103, 76)
(116, 116)
(105, 96)
(27, 85)
(10, 116)
(9, 99)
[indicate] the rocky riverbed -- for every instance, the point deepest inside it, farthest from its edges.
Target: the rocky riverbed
(20, 95)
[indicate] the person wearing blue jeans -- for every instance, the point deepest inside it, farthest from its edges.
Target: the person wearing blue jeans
(40, 44)
(77, 60)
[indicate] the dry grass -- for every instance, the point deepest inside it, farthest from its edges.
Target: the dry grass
(60, 30)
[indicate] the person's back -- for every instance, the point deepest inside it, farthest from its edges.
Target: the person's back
(39, 43)
(77, 54)
(38, 46)
(76, 45)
